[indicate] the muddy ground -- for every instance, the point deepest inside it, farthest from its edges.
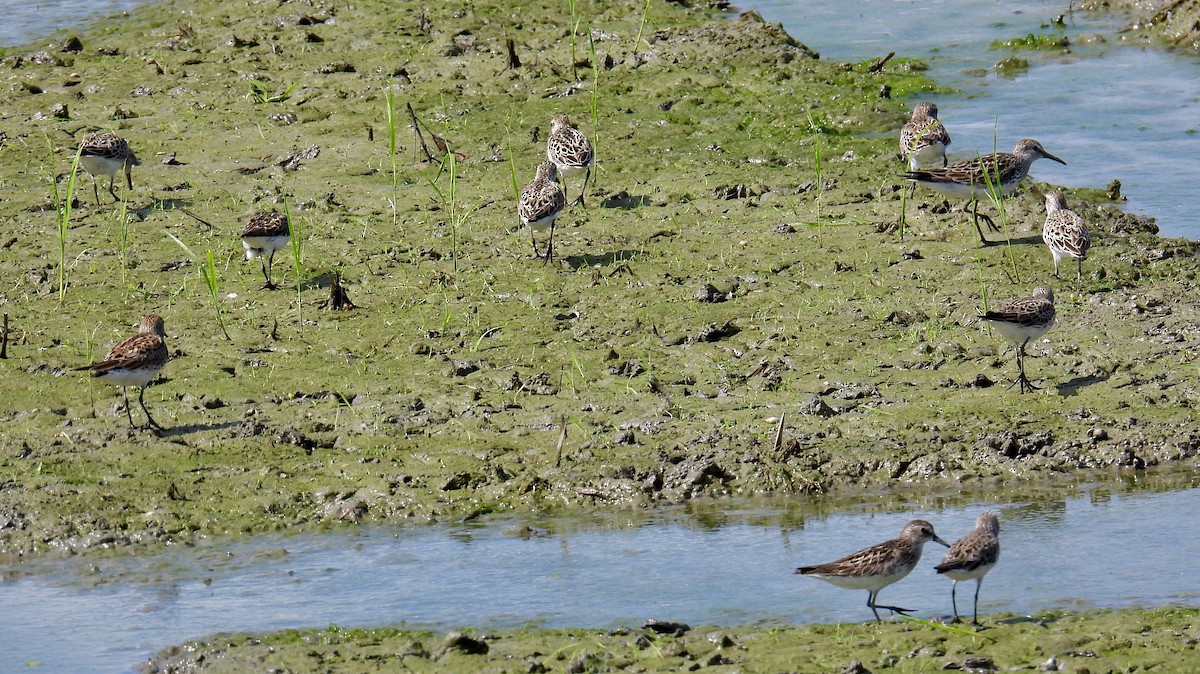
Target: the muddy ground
(746, 262)
(1174, 23)
(1162, 640)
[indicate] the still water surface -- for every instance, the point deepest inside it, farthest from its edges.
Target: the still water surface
(1110, 110)
(1098, 546)
(26, 20)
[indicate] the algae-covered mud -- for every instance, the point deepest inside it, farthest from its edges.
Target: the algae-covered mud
(1162, 640)
(749, 301)
(1175, 23)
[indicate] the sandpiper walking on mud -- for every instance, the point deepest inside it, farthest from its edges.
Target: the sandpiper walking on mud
(106, 154)
(135, 361)
(1021, 320)
(570, 151)
(997, 173)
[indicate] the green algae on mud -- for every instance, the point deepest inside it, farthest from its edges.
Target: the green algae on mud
(1160, 23)
(1160, 640)
(713, 292)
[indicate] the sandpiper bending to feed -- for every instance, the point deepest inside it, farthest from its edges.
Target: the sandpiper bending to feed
(1000, 172)
(570, 151)
(1021, 320)
(541, 203)
(135, 361)
(262, 236)
(106, 154)
(924, 138)
(1065, 233)
(878, 566)
(971, 557)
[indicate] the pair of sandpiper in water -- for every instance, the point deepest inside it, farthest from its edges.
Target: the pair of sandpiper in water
(923, 141)
(876, 567)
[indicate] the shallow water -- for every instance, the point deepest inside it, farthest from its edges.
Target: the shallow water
(26, 20)
(1109, 110)
(1100, 545)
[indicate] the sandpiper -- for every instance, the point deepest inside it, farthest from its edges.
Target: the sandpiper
(924, 138)
(262, 236)
(878, 566)
(971, 557)
(570, 151)
(1000, 172)
(106, 154)
(135, 361)
(1065, 233)
(541, 203)
(1021, 320)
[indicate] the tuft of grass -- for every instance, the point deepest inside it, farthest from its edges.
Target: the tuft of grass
(820, 183)
(595, 109)
(637, 43)
(457, 215)
(296, 242)
(63, 216)
(991, 178)
(946, 628)
(208, 272)
(262, 92)
(390, 101)
(512, 174)
(575, 21)
(123, 240)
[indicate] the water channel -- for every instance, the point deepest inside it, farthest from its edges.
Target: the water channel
(1104, 544)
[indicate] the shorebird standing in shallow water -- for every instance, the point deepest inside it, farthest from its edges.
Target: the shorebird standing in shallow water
(924, 138)
(262, 236)
(992, 174)
(971, 557)
(541, 203)
(570, 151)
(1065, 233)
(878, 566)
(106, 154)
(1021, 320)
(135, 361)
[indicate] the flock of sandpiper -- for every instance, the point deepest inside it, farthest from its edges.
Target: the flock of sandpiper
(137, 360)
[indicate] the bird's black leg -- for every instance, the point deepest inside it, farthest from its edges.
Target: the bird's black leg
(150, 422)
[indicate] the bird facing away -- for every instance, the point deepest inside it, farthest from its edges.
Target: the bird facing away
(570, 151)
(1000, 173)
(971, 557)
(1021, 320)
(1065, 233)
(135, 361)
(541, 203)
(106, 154)
(924, 138)
(878, 566)
(262, 236)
